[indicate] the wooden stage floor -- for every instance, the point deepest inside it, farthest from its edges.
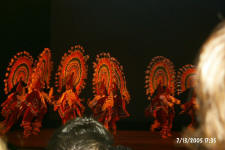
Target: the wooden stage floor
(137, 140)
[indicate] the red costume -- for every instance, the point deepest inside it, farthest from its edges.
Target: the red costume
(162, 109)
(160, 90)
(111, 95)
(185, 80)
(35, 101)
(71, 75)
(17, 77)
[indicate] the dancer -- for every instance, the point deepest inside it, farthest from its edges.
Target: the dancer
(162, 107)
(17, 77)
(160, 90)
(185, 81)
(71, 75)
(69, 105)
(35, 101)
(111, 95)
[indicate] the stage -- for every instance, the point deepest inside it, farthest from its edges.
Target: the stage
(137, 140)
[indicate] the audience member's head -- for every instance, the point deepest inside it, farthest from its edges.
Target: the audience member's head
(3, 145)
(81, 134)
(210, 88)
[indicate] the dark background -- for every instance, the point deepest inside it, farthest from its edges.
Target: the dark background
(132, 31)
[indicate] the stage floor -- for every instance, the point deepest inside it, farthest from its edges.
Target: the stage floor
(137, 140)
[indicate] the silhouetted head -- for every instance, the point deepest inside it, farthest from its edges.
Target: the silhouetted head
(81, 134)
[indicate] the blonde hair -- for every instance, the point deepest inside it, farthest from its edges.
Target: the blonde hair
(210, 88)
(2, 144)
